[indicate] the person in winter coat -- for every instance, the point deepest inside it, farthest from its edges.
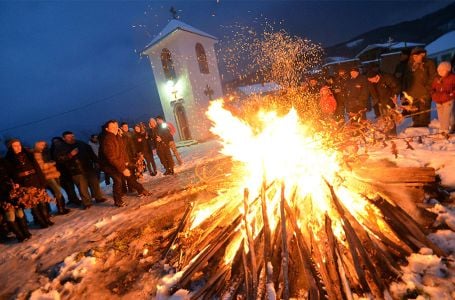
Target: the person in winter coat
(384, 90)
(141, 143)
(327, 102)
(357, 93)
(66, 180)
(417, 80)
(172, 130)
(162, 136)
(80, 160)
(443, 93)
(339, 91)
(51, 174)
(11, 210)
(114, 161)
(25, 171)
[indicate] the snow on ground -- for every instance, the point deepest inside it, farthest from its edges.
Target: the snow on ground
(110, 253)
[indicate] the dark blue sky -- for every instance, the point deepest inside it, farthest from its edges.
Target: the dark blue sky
(71, 65)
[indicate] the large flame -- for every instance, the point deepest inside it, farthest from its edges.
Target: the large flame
(284, 149)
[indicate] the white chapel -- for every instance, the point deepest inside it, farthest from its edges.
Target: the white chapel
(186, 74)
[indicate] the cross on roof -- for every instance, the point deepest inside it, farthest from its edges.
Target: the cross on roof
(208, 92)
(174, 13)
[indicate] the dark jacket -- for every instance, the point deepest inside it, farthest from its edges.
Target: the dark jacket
(417, 78)
(6, 182)
(340, 90)
(383, 91)
(357, 93)
(24, 169)
(130, 147)
(112, 152)
(164, 133)
(141, 143)
(84, 161)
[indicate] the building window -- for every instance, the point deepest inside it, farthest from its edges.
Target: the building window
(168, 65)
(202, 59)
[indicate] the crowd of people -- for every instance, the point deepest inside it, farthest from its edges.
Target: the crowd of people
(416, 82)
(32, 178)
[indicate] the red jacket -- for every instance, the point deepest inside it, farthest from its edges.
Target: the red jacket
(327, 102)
(443, 89)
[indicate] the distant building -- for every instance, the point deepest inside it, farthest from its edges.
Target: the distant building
(186, 74)
(443, 48)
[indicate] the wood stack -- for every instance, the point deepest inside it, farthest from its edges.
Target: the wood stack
(304, 255)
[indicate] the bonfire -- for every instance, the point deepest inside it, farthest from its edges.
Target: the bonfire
(304, 218)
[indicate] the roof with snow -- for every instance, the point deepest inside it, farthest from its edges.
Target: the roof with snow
(443, 43)
(175, 25)
(390, 45)
(259, 88)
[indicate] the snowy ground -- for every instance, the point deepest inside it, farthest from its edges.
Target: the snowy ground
(111, 253)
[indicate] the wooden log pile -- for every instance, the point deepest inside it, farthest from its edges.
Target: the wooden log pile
(288, 247)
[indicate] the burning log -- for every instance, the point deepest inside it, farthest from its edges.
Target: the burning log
(179, 229)
(251, 248)
(284, 240)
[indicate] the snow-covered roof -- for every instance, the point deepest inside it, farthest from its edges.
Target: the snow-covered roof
(174, 25)
(259, 88)
(390, 53)
(444, 42)
(390, 45)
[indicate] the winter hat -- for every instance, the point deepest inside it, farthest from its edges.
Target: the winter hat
(418, 50)
(356, 69)
(444, 68)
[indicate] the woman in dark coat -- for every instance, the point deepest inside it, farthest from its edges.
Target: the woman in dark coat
(9, 207)
(142, 145)
(26, 172)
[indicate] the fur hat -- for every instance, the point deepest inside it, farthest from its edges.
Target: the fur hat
(444, 67)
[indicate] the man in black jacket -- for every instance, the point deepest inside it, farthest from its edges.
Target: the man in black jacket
(357, 93)
(80, 160)
(384, 89)
(417, 80)
(161, 134)
(339, 91)
(114, 161)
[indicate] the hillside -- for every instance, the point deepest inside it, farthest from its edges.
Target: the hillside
(422, 30)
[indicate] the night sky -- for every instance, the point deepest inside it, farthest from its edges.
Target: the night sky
(71, 65)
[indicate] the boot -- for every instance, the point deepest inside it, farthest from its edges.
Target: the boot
(15, 229)
(45, 213)
(22, 222)
(38, 217)
(61, 209)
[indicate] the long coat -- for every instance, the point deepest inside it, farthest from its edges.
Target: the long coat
(417, 78)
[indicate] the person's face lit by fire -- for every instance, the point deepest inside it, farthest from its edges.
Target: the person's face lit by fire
(16, 147)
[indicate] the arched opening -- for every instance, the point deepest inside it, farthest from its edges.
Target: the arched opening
(202, 59)
(167, 63)
(182, 122)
